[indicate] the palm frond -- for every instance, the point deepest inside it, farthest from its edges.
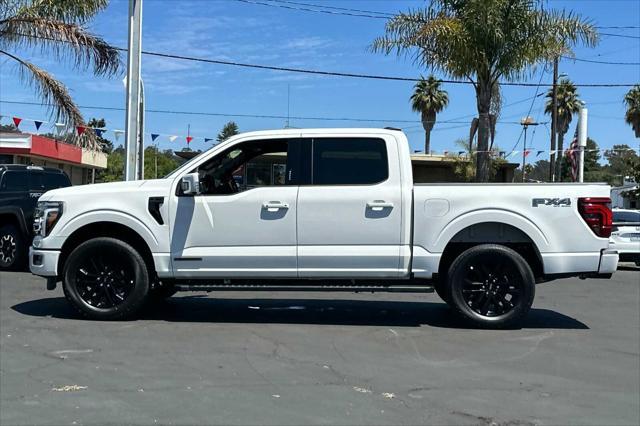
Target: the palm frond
(54, 95)
(66, 41)
(68, 11)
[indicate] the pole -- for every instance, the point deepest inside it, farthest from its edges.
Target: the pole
(140, 165)
(524, 154)
(554, 119)
(133, 89)
(582, 141)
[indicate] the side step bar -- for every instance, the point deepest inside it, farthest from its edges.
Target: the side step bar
(353, 288)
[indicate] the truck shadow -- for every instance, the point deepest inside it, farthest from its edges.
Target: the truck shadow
(202, 309)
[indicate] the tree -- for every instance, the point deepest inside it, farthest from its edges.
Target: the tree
(229, 129)
(428, 100)
(105, 144)
(568, 104)
(484, 41)
(632, 115)
(58, 28)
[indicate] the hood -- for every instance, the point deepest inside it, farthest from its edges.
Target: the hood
(95, 189)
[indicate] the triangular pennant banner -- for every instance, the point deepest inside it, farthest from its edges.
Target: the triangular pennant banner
(99, 132)
(502, 153)
(17, 121)
(207, 140)
(460, 153)
(117, 134)
(172, 138)
(80, 130)
(38, 124)
(538, 153)
(526, 153)
(154, 136)
(59, 127)
(446, 152)
(189, 139)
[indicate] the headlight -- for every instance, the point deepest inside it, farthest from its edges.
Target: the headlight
(45, 217)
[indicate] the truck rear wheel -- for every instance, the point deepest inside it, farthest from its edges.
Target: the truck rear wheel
(106, 279)
(491, 285)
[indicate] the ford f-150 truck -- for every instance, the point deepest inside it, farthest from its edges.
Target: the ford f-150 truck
(325, 209)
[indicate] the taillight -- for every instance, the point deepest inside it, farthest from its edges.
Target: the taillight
(596, 212)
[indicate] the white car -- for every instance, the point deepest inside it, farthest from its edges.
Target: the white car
(625, 235)
(318, 210)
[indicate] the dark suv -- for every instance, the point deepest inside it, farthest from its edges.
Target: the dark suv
(20, 188)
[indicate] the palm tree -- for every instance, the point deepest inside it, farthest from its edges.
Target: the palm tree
(428, 99)
(568, 104)
(632, 116)
(484, 42)
(57, 28)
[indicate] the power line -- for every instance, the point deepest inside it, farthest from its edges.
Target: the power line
(334, 73)
(619, 35)
(306, 9)
(369, 12)
(591, 61)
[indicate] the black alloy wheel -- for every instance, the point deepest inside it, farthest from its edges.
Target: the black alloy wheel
(11, 247)
(491, 285)
(105, 278)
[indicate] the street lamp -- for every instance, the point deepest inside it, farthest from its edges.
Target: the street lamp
(526, 122)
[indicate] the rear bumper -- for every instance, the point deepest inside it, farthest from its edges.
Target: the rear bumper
(608, 262)
(44, 262)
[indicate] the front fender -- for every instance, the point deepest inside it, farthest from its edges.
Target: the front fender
(119, 217)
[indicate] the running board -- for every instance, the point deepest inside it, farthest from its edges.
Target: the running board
(353, 288)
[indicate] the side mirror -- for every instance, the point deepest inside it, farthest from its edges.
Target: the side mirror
(191, 184)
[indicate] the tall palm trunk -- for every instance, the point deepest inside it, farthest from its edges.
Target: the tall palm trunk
(428, 121)
(483, 92)
(559, 156)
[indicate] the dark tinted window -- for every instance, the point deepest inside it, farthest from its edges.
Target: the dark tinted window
(626, 216)
(55, 180)
(14, 181)
(349, 161)
(36, 181)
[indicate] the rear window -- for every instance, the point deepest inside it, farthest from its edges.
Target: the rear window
(626, 216)
(14, 181)
(349, 161)
(55, 180)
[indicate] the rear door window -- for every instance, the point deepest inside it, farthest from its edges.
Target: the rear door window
(349, 161)
(14, 181)
(55, 180)
(622, 217)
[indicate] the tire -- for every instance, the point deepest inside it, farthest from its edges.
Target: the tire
(106, 279)
(491, 286)
(13, 248)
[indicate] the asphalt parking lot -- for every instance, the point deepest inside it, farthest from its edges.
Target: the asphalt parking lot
(302, 358)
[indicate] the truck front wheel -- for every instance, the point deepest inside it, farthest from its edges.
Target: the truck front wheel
(491, 285)
(106, 279)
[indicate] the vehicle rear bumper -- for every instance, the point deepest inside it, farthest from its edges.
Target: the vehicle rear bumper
(44, 262)
(608, 262)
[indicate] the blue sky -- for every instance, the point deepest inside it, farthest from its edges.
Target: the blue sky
(253, 33)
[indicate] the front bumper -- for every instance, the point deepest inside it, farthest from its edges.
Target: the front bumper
(608, 262)
(44, 262)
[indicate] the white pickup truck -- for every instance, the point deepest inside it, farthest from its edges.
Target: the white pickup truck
(318, 210)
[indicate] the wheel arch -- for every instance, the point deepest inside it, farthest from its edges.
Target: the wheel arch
(492, 232)
(106, 229)
(14, 216)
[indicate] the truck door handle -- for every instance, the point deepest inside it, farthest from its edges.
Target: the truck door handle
(274, 206)
(378, 205)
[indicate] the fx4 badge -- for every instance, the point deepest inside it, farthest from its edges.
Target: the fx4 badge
(555, 202)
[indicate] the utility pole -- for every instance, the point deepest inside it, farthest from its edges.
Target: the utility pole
(525, 122)
(133, 124)
(582, 140)
(554, 120)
